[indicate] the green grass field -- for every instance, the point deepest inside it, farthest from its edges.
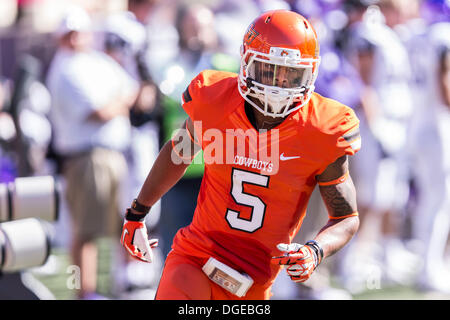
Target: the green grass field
(56, 281)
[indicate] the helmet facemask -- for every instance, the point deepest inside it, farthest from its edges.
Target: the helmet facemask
(281, 81)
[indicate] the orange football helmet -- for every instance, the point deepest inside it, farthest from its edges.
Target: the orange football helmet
(279, 62)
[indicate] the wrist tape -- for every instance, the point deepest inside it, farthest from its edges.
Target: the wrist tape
(317, 249)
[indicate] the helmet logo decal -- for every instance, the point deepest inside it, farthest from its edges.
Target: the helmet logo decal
(285, 52)
(251, 34)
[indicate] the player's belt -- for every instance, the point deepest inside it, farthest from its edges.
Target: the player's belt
(231, 280)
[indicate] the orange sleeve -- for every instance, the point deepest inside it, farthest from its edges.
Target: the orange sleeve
(196, 104)
(191, 98)
(207, 96)
(348, 136)
(341, 133)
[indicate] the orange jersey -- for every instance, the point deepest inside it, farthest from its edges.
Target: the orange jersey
(247, 204)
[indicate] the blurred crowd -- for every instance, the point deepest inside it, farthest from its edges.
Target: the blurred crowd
(90, 90)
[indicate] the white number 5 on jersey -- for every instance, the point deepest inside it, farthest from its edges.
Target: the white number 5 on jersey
(239, 177)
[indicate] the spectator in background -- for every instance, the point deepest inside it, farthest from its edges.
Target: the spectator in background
(126, 41)
(92, 96)
(197, 51)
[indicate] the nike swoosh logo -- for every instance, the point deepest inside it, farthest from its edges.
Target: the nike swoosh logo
(283, 158)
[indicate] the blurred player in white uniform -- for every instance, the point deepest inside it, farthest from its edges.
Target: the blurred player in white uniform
(430, 149)
(381, 171)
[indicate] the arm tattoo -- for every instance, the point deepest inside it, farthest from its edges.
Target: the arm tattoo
(340, 199)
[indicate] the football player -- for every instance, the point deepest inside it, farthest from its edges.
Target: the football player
(249, 208)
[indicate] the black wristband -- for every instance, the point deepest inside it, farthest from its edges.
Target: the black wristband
(317, 249)
(140, 207)
(130, 216)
